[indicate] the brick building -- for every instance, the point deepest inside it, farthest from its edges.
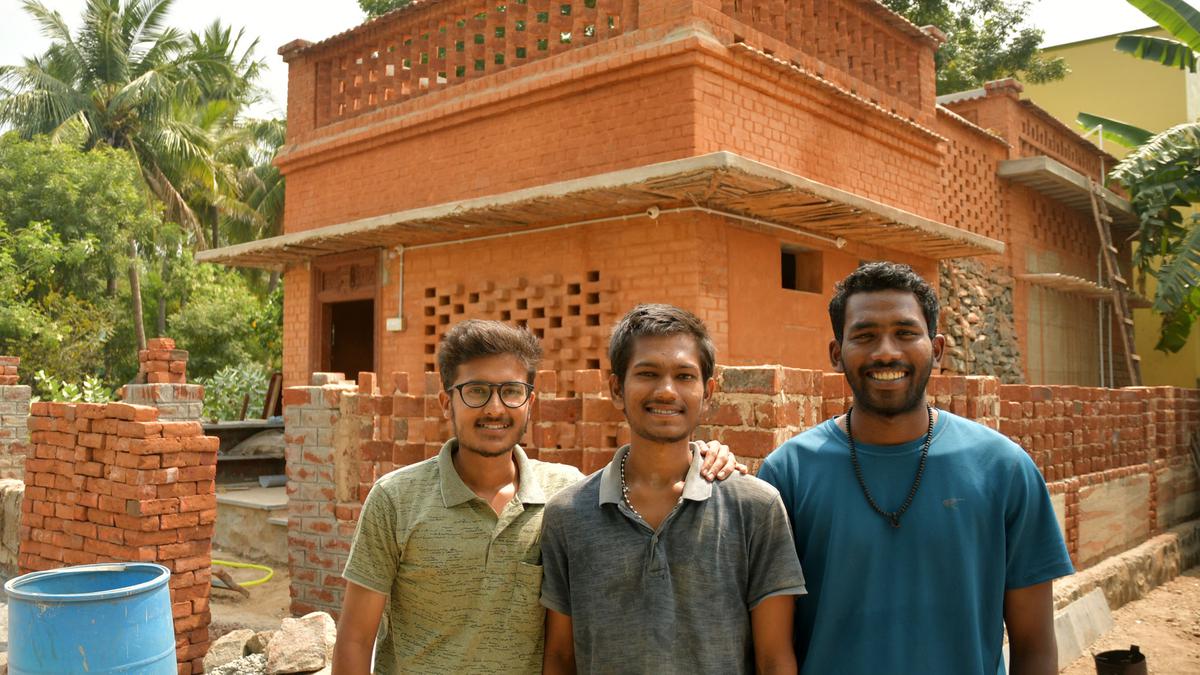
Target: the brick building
(554, 163)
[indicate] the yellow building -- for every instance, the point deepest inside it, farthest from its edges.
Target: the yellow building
(1115, 85)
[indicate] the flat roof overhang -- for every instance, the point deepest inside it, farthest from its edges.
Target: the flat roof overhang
(1058, 181)
(1074, 285)
(719, 181)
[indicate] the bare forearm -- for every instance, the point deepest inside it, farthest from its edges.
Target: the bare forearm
(1033, 661)
(558, 664)
(1029, 619)
(352, 657)
(781, 664)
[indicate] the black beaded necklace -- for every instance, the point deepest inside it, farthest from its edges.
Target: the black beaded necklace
(892, 516)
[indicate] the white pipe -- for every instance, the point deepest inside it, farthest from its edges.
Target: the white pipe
(652, 213)
(396, 324)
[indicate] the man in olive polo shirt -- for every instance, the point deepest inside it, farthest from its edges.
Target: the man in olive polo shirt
(446, 554)
(644, 557)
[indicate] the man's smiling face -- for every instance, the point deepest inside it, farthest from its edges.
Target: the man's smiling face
(886, 351)
(664, 391)
(493, 429)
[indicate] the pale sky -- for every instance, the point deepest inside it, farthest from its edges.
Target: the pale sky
(276, 22)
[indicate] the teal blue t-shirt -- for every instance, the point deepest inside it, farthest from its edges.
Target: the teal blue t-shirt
(927, 597)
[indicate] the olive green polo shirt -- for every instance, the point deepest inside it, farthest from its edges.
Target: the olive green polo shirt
(463, 583)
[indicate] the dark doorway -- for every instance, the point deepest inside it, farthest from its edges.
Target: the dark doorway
(351, 337)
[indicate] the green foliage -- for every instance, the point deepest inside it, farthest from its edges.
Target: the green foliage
(1163, 179)
(65, 215)
(375, 8)
(89, 390)
(1116, 131)
(64, 218)
(224, 323)
(149, 152)
(987, 40)
(226, 389)
(1161, 50)
(1177, 17)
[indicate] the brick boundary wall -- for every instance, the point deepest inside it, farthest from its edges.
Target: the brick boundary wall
(1093, 445)
(162, 383)
(14, 415)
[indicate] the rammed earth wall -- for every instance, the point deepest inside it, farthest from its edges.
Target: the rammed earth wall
(1115, 459)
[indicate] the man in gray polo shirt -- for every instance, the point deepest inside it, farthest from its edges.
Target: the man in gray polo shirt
(644, 557)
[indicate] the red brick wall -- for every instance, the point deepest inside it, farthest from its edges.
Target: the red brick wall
(1082, 439)
(571, 285)
(111, 483)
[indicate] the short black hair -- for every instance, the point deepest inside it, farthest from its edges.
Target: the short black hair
(659, 320)
(882, 276)
(477, 338)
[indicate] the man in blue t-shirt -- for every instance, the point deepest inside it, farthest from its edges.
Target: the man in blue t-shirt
(921, 533)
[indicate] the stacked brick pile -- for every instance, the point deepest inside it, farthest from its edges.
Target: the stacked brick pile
(175, 400)
(756, 409)
(161, 363)
(14, 411)
(111, 482)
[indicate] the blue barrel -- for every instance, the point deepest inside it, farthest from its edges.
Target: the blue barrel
(106, 618)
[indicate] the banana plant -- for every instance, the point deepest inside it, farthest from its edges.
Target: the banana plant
(1162, 175)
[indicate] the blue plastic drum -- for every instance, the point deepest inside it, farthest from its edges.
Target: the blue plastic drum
(106, 618)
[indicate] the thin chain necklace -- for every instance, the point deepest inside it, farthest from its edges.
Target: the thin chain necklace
(892, 516)
(625, 488)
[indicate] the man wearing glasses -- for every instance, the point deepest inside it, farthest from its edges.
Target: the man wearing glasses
(447, 552)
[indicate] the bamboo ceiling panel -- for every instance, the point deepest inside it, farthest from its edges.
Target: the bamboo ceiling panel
(721, 181)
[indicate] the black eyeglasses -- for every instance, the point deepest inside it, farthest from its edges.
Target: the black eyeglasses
(477, 394)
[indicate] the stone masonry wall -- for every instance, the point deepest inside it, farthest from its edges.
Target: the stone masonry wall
(977, 320)
(112, 482)
(1115, 460)
(14, 413)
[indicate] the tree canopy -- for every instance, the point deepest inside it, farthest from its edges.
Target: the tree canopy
(986, 40)
(161, 113)
(65, 217)
(375, 8)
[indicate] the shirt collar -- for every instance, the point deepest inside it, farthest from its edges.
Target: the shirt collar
(455, 491)
(695, 486)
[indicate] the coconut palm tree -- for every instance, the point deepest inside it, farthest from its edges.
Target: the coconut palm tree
(118, 81)
(1162, 175)
(129, 81)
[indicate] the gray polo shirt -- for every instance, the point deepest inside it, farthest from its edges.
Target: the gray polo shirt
(675, 600)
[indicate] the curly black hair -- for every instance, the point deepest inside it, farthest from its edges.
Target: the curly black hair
(882, 276)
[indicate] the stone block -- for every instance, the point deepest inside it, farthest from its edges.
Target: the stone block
(302, 645)
(1059, 502)
(1113, 516)
(1178, 495)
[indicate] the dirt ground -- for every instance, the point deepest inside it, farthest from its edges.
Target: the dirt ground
(1165, 625)
(263, 610)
